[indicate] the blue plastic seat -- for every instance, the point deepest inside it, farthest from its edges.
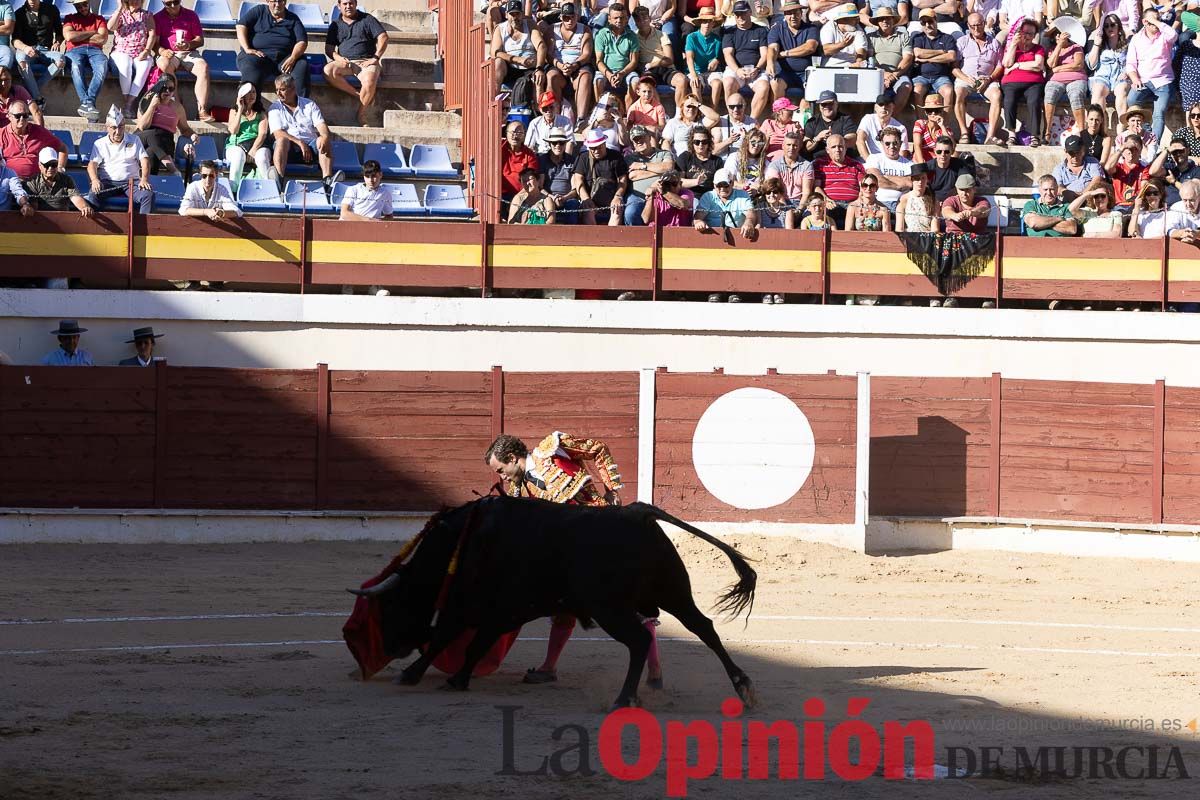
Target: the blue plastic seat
(310, 14)
(222, 64)
(333, 10)
(68, 140)
(345, 158)
(154, 6)
(261, 195)
(390, 157)
(64, 8)
(82, 182)
(246, 6)
(214, 14)
(206, 150)
(316, 67)
(308, 196)
(431, 161)
(447, 201)
(108, 8)
(86, 141)
(168, 191)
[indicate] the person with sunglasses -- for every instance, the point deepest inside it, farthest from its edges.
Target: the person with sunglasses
(1108, 50)
(867, 213)
(22, 140)
(726, 207)
(1175, 166)
(946, 167)
(698, 165)
(1077, 171)
(935, 55)
(1148, 219)
(157, 126)
(891, 169)
(10, 92)
(571, 59)
(51, 188)
(927, 131)
(730, 132)
(1024, 79)
(207, 197)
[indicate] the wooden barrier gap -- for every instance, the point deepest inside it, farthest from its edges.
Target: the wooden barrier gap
(1159, 461)
(994, 463)
(161, 432)
(497, 401)
(322, 424)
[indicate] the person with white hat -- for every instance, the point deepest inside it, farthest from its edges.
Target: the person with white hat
(892, 51)
(116, 159)
(69, 353)
(726, 207)
(601, 181)
(52, 189)
(248, 136)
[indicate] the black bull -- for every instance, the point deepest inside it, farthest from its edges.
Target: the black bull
(519, 560)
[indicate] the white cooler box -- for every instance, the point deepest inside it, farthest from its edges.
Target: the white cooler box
(851, 84)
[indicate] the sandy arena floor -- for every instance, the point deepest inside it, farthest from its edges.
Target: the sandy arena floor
(207, 695)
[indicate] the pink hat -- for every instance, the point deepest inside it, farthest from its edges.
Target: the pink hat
(781, 104)
(595, 139)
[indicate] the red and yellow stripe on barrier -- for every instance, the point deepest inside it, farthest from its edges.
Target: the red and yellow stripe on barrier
(259, 250)
(431, 254)
(1083, 269)
(876, 263)
(778, 261)
(66, 244)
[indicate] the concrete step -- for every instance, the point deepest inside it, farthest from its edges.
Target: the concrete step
(435, 135)
(432, 123)
(419, 45)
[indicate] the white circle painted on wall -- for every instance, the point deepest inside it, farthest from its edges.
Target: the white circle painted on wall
(753, 448)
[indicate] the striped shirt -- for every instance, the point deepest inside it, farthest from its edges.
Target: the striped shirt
(840, 181)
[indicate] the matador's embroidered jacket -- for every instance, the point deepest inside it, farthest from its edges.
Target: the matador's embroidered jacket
(555, 471)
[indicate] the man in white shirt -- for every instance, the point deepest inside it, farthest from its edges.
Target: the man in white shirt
(113, 161)
(1183, 218)
(368, 201)
(300, 131)
(871, 125)
(540, 126)
(890, 168)
(207, 197)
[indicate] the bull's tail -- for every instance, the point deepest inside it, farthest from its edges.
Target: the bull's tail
(738, 597)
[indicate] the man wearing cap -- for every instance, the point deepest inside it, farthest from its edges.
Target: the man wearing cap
(273, 41)
(143, 342)
(843, 43)
(601, 181)
(1048, 215)
(22, 142)
(646, 163)
(85, 34)
(37, 40)
(793, 171)
(782, 122)
(1149, 67)
(744, 48)
(1077, 170)
(656, 56)
(791, 44)
(355, 44)
(69, 353)
(838, 176)
(891, 49)
(946, 167)
(962, 211)
(617, 50)
(571, 59)
(979, 70)
(871, 127)
(115, 160)
(557, 168)
(52, 189)
(180, 38)
(541, 125)
(726, 207)
(829, 121)
(936, 56)
(518, 50)
(1175, 166)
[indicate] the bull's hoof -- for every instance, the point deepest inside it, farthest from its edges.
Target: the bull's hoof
(406, 678)
(627, 702)
(655, 683)
(453, 685)
(745, 690)
(537, 676)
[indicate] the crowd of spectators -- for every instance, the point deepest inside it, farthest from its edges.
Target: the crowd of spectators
(752, 153)
(146, 51)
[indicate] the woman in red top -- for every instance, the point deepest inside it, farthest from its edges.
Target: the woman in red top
(515, 157)
(1024, 78)
(926, 131)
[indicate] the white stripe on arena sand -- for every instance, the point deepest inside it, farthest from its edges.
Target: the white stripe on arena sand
(791, 617)
(826, 642)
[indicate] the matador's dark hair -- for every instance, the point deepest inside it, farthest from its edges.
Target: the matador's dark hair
(505, 448)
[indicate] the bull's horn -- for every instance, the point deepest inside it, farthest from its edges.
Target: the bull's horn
(378, 588)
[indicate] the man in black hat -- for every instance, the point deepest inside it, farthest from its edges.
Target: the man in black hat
(1077, 170)
(143, 342)
(828, 121)
(69, 353)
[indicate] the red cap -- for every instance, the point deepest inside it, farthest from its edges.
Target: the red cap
(547, 99)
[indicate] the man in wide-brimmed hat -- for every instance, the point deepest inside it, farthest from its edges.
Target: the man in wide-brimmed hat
(69, 353)
(843, 42)
(892, 48)
(143, 342)
(791, 45)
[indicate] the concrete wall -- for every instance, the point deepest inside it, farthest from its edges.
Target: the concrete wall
(403, 333)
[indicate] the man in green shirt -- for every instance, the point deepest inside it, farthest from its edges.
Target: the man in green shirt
(1048, 215)
(616, 53)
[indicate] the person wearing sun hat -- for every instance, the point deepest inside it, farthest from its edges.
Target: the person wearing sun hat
(702, 54)
(843, 42)
(791, 45)
(926, 131)
(69, 353)
(892, 49)
(744, 47)
(601, 180)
